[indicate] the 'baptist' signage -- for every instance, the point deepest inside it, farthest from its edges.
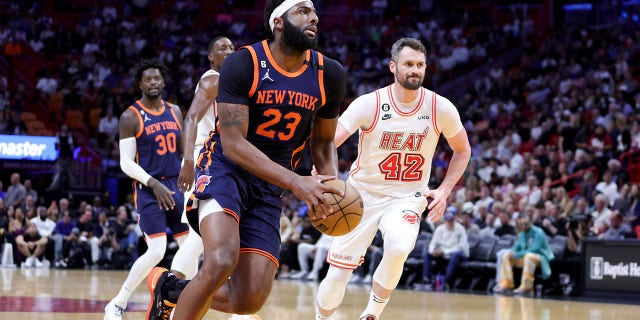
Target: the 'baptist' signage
(13, 147)
(612, 265)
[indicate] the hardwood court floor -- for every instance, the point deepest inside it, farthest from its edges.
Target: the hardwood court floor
(43, 294)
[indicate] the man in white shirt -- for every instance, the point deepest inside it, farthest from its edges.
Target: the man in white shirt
(449, 246)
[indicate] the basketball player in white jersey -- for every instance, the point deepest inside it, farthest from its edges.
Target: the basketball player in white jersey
(399, 128)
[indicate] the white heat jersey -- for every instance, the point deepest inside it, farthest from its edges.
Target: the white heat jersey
(397, 141)
(208, 122)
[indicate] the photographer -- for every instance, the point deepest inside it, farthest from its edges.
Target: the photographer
(572, 268)
(118, 245)
(79, 251)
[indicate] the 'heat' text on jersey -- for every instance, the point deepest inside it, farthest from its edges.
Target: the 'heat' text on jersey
(289, 97)
(398, 141)
(164, 125)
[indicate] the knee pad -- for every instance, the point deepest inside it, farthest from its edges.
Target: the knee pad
(331, 290)
(396, 251)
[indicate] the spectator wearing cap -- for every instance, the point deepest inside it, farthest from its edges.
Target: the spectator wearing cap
(448, 247)
(466, 218)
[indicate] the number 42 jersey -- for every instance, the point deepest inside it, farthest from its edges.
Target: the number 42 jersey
(397, 141)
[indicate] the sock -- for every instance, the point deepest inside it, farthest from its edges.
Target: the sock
(319, 316)
(375, 306)
(122, 297)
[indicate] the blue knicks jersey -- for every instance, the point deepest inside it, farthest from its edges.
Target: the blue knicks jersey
(157, 140)
(282, 105)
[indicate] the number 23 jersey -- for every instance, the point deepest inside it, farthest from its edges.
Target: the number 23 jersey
(397, 142)
(282, 104)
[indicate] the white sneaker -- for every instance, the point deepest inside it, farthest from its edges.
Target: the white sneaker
(37, 263)
(312, 276)
(113, 311)
(28, 263)
(299, 275)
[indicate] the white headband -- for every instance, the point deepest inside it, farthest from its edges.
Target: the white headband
(281, 9)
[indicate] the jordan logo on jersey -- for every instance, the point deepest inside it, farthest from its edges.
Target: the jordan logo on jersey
(266, 76)
(146, 117)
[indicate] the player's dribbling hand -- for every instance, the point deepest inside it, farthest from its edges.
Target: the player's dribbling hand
(437, 203)
(310, 190)
(186, 177)
(163, 195)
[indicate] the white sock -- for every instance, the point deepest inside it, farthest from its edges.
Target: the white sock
(319, 316)
(375, 306)
(123, 296)
(141, 268)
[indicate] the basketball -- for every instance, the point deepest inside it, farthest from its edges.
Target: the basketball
(347, 210)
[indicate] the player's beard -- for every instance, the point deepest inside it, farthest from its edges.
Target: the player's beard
(410, 83)
(153, 96)
(295, 38)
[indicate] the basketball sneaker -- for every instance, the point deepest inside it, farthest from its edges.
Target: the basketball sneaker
(158, 308)
(369, 317)
(113, 311)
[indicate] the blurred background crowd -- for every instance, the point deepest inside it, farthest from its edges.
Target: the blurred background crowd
(550, 98)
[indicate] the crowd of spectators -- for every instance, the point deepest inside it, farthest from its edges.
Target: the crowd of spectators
(552, 137)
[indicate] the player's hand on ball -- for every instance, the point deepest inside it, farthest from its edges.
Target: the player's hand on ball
(310, 190)
(437, 203)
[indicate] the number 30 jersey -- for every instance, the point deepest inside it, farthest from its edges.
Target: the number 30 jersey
(397, 141)
(157, 140)
(282, 104)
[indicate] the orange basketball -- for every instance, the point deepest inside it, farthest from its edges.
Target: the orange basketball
(347, 210)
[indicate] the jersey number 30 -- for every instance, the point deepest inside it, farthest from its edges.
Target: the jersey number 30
(408, 169)
(166, 143)
(274, 116)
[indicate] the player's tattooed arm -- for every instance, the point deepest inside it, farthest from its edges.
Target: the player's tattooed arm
(233, 115)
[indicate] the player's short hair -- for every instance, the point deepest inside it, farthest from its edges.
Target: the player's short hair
(151, 64)
(269, 6)
(213, 43)
(412, 43)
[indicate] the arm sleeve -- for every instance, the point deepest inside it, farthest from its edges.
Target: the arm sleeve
(335, 83)
(236, 78)
(447, 117)
(127, 162)
(360, 113)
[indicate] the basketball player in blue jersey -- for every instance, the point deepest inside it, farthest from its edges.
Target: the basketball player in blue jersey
(275, 97)
(198, 123)
(150, 153)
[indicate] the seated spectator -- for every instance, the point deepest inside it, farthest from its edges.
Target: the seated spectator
(62, 238)
(307, 234)
(286, 231)
(32, 246)
(489, 226)
(601, 214)
(449, 246)
(122, 239)
(530, 250)
(505, 224)
(86, 232)
(466, 219)
(316, 251)
(618, 229)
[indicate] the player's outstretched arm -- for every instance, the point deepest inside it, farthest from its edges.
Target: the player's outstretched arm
(203, 99)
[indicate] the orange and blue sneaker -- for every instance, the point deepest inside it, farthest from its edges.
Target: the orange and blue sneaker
(160, 307)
